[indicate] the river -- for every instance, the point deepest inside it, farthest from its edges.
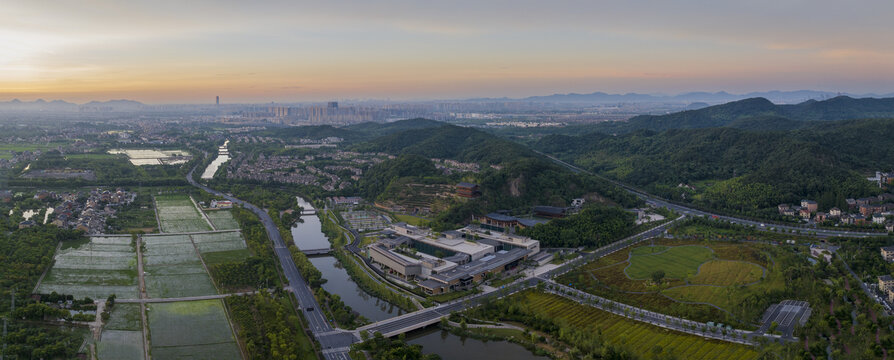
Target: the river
(223, 156)
(309, 235)
(449, 346)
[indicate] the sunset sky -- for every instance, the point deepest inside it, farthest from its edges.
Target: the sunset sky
(259, 51)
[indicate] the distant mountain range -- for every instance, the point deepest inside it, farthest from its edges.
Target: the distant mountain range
(61, 105)
(779, 97)
(758, 114)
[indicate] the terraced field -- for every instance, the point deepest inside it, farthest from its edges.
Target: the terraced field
(677, 262)
(636, 337)
(97, 268)
(191, 330)
(177, 213)
(173, 268)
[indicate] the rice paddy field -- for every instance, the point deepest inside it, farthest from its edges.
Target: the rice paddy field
(122, 336)
(173, 268)
(97, 267)
(191, 330)
(222, 220)
(636, 337)
(177, 213)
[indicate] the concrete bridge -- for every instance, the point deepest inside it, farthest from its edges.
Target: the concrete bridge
(317, 251)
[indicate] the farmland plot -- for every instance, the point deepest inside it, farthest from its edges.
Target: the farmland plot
(122, 336)
(222, 220)
(219, 242)
(173, 269)
(191, 329)
(177, 213)
(97, 268)
(637, 337)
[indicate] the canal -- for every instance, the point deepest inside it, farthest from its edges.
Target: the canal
(309, 235)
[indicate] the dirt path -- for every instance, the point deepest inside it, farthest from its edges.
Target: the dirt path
(204, 216)
(143, 295)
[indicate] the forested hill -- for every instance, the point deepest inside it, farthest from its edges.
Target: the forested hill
(758, 114)
(351, 133)
(449, 142)
(739, 169)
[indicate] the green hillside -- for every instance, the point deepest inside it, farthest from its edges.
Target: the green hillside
(764, 115)
(449, 142)
(740, 170)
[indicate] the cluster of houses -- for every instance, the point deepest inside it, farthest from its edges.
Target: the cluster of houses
(863, 211)
(886, 282)
(448, 166)
(87, 214)
(19, 157)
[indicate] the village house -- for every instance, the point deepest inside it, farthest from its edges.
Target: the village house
(885, 283)
(810, 205)
(888, 253)
(835, 212)
(820, 217)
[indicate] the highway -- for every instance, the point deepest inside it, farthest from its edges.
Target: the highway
(317, 322)
(658, 202)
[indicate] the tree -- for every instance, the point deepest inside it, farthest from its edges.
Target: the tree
(657, 276)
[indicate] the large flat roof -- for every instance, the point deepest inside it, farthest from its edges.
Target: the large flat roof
(487, 263)
(457, 245)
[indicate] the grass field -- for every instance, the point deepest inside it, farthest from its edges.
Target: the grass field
(96, 267)
(122, 336)
(7, 149)
(191, 330)
(727, 273)
(677, 262)
(173, 269)
(720, 276)
(647, 250)
(723, 297)
(410, 219)
(176, 213)
(636, 337)
(222, 219)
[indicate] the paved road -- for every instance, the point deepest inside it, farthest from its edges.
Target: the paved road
(317, 322)
(654, 200)
(413, 320)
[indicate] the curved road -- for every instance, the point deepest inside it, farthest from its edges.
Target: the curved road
(319, 326)
(654, 200)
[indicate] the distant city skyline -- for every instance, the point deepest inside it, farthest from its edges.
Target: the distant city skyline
(292, 51)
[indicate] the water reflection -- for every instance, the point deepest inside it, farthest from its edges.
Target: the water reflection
(450, 346)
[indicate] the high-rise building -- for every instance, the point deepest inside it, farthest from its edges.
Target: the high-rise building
(218, 100)
(332, 105)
